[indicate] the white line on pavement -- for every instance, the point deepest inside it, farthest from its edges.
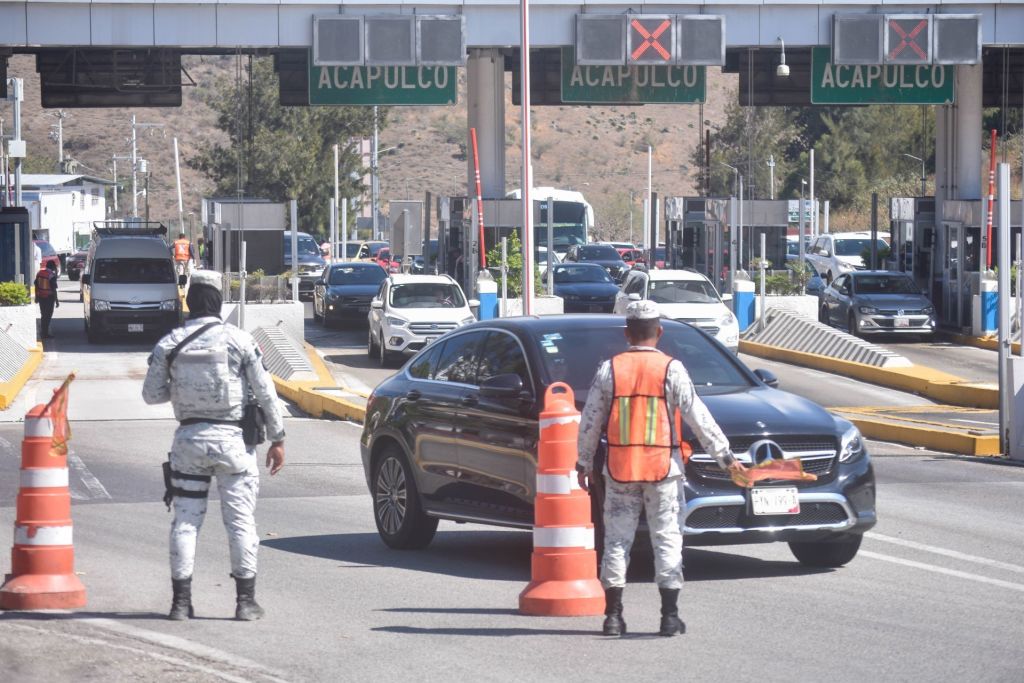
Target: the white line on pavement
(988, 423)
(942, 570)
(944, 551)
(96, 489)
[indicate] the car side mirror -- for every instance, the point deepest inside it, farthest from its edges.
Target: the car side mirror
(376, 303)
(86, 278)
(182, 280)
(505, 386)
(727, 297)
(768, 377)
(825, 253)
(474, 303)
(634, 296)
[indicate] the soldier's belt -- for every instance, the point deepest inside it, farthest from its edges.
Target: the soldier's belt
(205, 420)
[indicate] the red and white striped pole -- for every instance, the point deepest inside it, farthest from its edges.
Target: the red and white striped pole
(991, 201)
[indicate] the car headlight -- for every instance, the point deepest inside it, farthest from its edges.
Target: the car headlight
(397, 322)
(100, 305)
(726, 320)
(466, 321)
(333, 297)
(928, 310)
(851, 446)
(169, 305)
(868, 310)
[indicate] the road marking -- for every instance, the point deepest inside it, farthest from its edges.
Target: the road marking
(942, 570)
(96, 489)
(976, 422)
(944, 551)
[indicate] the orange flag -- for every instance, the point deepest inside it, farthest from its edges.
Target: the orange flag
(773, 469)
(57, 408)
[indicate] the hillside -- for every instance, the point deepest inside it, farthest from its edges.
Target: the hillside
(600, 151)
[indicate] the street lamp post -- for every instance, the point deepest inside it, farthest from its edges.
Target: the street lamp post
(771, 175)
(924, 177)
(803, 185)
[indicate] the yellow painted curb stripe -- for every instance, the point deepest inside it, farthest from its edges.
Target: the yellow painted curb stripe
(990, 343)
(935, 439)
(316, 404)
(9, 390)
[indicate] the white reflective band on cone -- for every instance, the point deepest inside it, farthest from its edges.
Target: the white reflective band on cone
(38, 426)
(44, 535)
(49, 477)
(563, 537)
(557, 483)
(564, 420)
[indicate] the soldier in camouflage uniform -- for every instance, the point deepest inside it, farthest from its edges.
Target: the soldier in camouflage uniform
(632, 399)
(208, 380)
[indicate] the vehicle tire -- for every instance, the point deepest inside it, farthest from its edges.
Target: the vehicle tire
(851, 324)
(826, 553)
(397, 510)
(371, 347)
(383, 356)
(823, 315)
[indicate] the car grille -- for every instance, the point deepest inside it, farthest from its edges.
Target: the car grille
(735, 516)
(709, 325)
(125, 306)
(889, 322)
(906, 311)
(431, 328)
(816, 454)
(355, 300)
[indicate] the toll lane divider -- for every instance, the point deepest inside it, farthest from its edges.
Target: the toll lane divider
(10, 389)
(991, 343)
(873, 423)
(320, 397)
(917, 379)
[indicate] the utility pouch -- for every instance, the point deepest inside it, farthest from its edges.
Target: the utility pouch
(168, 486)
(254, 430)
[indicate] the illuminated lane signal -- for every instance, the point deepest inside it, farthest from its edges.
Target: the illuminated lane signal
(650, 39)
(908, 39)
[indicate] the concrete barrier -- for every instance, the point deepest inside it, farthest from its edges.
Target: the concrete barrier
(319, 397)
(16, 367)
(289, 315)
(19, 323)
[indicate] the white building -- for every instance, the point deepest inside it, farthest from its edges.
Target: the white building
(62, 208)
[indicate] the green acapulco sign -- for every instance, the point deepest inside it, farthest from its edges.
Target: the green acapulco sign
(877, 83)
(649, 84)
(385, 85)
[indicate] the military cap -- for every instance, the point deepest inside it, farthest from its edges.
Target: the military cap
(208, 278)
(642, 310)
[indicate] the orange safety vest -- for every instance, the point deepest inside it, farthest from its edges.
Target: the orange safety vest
(44, 288)
(181, 250)
(640, 440)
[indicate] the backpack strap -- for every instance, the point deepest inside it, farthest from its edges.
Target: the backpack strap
(184, 342)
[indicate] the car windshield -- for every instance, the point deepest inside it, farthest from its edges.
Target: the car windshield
(351, 249)
(682, 292)
(599, 253)
(573, 355)
(134, 271)
(357, 275)
(884, 284)
(565, 274)
(856, 247)
(426, 295)
(307, 246)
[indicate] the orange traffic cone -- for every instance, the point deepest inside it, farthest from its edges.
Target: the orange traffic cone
(42, 561)
(564, 565)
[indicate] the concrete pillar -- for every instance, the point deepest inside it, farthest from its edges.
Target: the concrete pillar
(485, 107)
(942, 160)
(968, 131)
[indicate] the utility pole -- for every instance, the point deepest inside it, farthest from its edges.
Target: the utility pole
(135, 162)
(334, 233)
(115, 158)
(374, 180)
(771, 175)
(57, 133)
(16, 147)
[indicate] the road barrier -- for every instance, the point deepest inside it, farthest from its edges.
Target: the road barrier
(42, 561)
(564, 564)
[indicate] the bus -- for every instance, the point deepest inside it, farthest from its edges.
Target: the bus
(573, 217)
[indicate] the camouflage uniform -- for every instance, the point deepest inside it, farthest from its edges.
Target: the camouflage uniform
(209, 380)
(662, 499)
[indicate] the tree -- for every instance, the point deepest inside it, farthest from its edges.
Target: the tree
(282, 153)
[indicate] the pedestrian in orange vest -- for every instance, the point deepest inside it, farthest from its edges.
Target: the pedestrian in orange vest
(183, 253)
(46, 296)
(631, 399)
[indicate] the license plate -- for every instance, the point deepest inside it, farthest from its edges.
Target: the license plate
(135, 327)
(429, 339)
(902, 321)
(775, 501)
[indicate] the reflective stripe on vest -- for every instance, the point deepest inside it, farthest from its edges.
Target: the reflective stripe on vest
(181, 250)
(639, 435)
(44, 288)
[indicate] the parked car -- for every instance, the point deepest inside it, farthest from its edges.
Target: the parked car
(367, 251)
(876, 302)
(584, 287)
(793, 249)
(386, 261)
(410, 311)
(76, 263)
(345, 291)
(48, 254)
(837, 253)
(453, 436)
(603, 255)
(686, 296)
(311, 262)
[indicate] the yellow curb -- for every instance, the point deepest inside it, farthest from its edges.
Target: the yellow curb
(316, 403)
(9, 390)
(320, 368)
(935, 439)
(917, 379)
(990, 343)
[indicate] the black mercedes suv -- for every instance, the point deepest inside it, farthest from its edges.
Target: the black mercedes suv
(453, 435)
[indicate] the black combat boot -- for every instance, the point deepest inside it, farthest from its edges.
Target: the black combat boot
(246, 608)
(613, 623)
(671, 624)
(181, 603)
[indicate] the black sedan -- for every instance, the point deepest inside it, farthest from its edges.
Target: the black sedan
(345, 291)
(453, 436)
(604, 255)
(584, 287)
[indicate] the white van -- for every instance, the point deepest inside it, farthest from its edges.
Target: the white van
(130, 288)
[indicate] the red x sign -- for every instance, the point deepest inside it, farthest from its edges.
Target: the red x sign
(912, 36)
(650, 40)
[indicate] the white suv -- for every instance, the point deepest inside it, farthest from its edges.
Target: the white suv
(410, 311)
(685, 296)
(840, 252)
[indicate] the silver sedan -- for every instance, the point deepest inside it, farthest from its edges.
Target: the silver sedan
(876, 302)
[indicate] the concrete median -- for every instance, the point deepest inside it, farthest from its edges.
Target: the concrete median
(321, 396)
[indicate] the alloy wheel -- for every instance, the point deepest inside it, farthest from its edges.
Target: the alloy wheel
(391, 496)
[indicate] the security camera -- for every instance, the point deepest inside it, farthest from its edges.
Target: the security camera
(782, 70)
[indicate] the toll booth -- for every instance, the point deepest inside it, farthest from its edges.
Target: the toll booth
(406, 220)
(768, 217)
(259, 223)
(15, 245)
(912, 238)
(697, 236)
